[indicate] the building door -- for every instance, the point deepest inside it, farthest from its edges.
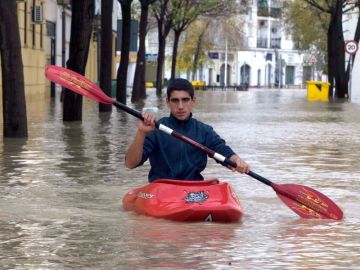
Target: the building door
(289, 75)
(211, 79)
(268, 75)
(222, 74)
(245, 75)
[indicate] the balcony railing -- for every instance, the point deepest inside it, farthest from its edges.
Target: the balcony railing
(275, 12)
(262, 43)
(263, 11)
(275, 43)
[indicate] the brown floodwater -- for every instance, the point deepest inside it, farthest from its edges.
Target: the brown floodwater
(61, 189)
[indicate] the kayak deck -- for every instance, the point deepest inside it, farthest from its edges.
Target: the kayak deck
(180, 200)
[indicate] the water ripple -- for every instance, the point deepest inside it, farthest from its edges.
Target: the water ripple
(61, 189)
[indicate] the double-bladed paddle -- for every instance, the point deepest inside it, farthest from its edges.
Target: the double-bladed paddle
(303, 200)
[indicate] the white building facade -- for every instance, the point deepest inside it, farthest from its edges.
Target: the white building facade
(349, 26)
(269, 58)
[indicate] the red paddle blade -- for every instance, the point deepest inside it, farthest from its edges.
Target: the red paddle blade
(307, 202)
(77, 83)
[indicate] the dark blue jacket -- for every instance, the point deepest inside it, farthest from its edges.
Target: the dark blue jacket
(172, 158)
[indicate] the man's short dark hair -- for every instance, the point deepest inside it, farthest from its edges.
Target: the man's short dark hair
(180, 85)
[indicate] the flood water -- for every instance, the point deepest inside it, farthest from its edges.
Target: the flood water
(61, 189)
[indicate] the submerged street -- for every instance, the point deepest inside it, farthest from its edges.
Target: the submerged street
(61, 189)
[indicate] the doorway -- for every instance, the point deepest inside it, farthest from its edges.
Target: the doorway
(245, 75)
(290, 75)
(222, 75)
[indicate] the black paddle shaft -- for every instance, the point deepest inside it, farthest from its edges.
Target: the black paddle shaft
(260, 178)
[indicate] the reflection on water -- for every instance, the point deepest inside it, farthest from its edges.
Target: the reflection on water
(61, 189)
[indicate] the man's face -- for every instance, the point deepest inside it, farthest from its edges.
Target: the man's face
(180, 104)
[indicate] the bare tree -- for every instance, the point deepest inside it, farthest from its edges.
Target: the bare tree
(199, 47)
(337, 73)
(217, 16)
(14, 105)
(81, 28)
(185, 12)
(162, 13)
(138, 92)
(125, 49)
(106, 51)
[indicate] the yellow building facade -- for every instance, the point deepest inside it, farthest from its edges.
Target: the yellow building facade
(33, 53)
(36, 51)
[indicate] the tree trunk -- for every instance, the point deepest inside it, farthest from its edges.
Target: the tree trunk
(161, 59)
(81, 28)
(138, 92)
(121, 84)
(164, 24)
(14, 104)
(174, 54)
(340, 74)
(197, 53)
(106, 51)
(160, 65)
(331, 58)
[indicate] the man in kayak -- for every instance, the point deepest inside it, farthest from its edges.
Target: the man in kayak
(170, 157)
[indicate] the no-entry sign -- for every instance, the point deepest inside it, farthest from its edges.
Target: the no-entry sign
(351, 46)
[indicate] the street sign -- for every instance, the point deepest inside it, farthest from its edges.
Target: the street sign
(213, 55)
(351, 47)
(151, 57)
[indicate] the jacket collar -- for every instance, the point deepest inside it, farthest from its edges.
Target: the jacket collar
(179, 122)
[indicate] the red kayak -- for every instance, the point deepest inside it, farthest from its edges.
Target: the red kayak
(177, 200)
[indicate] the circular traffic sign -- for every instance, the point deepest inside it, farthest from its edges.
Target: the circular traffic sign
(351, 46)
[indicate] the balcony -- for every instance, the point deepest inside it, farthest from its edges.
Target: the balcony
(275, 43)
(275, 12)
(262, 43)
(263, 12)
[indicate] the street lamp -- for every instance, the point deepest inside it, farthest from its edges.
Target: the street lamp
(63, 4)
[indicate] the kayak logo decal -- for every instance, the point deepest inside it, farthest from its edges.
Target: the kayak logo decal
(196, 197)
(145, 196)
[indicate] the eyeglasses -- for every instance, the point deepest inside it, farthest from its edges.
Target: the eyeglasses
(184, 100)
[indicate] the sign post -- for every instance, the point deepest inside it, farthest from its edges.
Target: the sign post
(351, 47)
